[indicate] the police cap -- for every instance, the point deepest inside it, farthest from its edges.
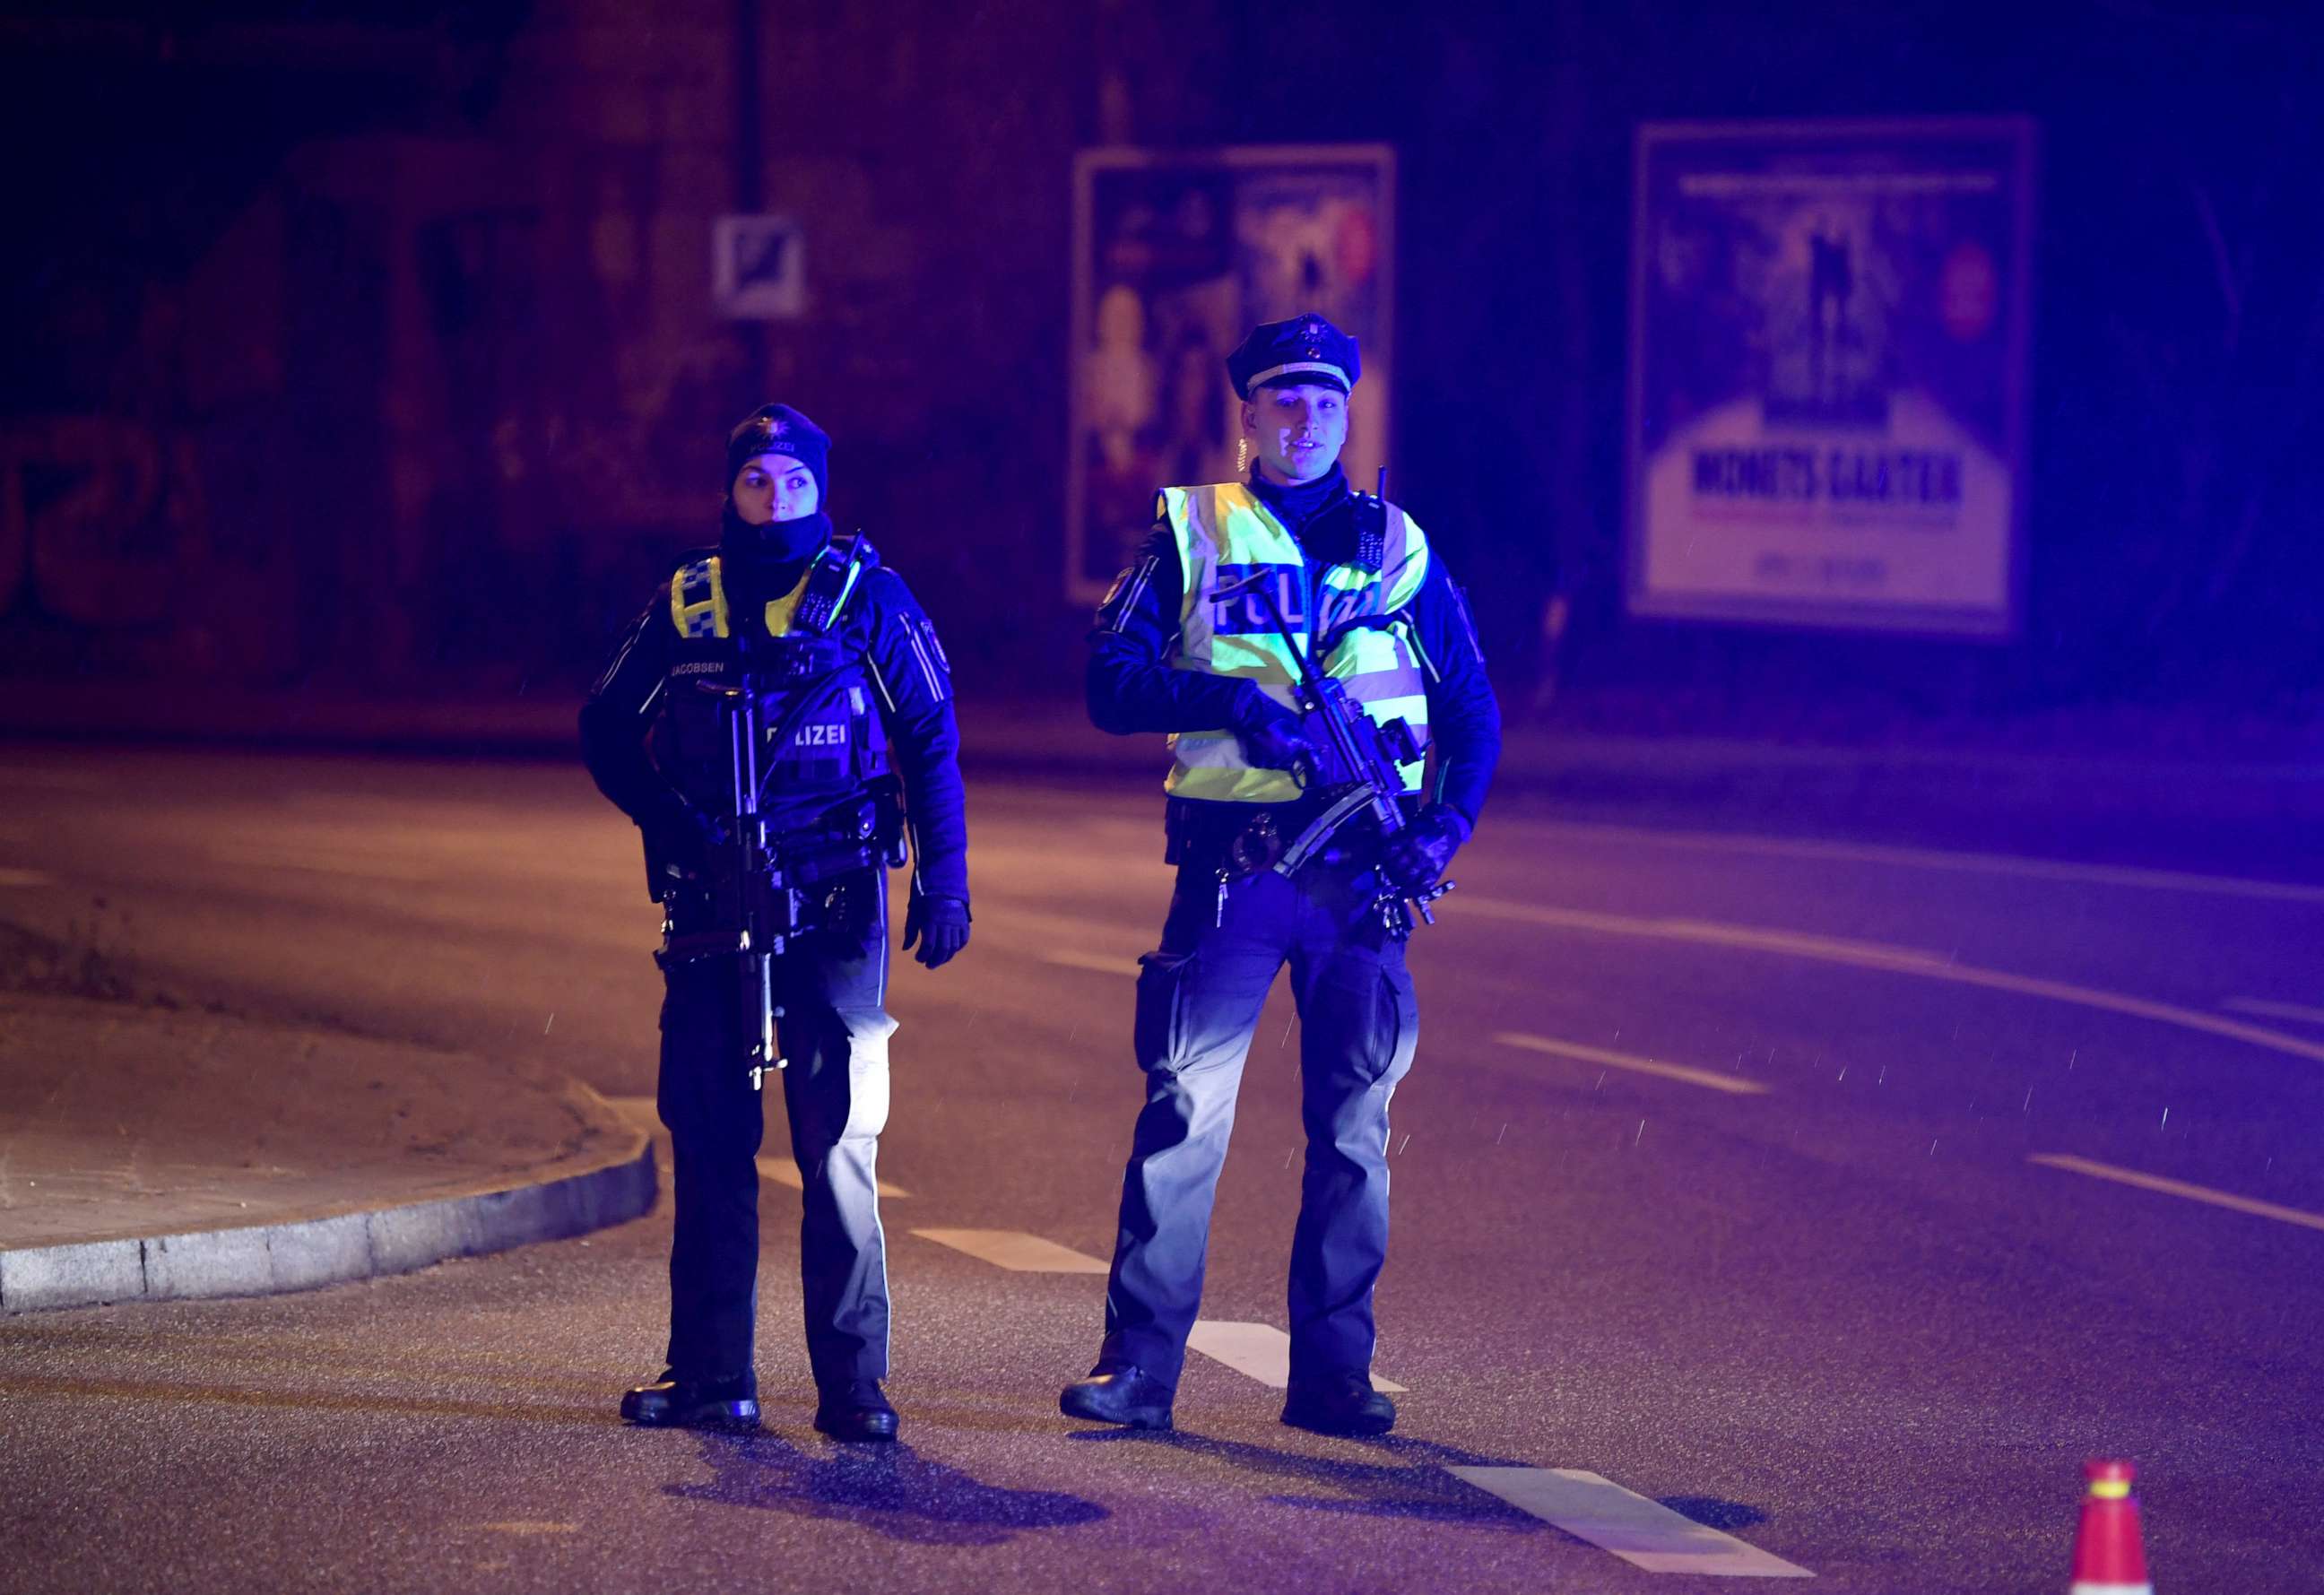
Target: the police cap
(1304, 349)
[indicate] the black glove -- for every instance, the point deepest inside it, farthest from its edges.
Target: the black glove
(938, 923)
(1416, 857)
(1274, 738)
(684, 837)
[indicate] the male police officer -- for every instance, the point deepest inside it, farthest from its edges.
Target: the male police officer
(851, 691)
(1168, 655)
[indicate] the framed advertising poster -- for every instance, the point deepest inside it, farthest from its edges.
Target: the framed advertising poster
(1827, 395)
(1176, 256)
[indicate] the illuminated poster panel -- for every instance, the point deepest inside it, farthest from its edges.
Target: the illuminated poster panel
(1177, 255)
(1828, 335)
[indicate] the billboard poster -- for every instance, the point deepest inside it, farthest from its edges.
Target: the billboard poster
(1176, 256)
(1828, 336)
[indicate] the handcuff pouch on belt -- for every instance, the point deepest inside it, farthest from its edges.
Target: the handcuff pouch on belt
(1235, 840)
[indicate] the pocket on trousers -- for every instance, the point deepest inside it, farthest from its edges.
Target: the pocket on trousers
(1159, 1028)
(1396, 1028)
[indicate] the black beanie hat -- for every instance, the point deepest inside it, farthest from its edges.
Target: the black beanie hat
(777, 429)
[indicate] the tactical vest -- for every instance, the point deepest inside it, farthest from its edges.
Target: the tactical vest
(1225, 533)
(824, 737)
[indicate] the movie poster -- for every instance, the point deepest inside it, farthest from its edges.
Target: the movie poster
(1175, 256)
(1828, 336)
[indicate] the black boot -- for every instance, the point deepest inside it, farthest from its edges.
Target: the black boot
(857, 1411)
(1120, 1392)
(673, 1403)
(1341, 1403)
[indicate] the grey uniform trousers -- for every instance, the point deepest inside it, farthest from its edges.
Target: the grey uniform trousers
(832, 988)
(1199, 997)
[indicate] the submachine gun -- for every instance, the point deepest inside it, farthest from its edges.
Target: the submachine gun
(1357, 766)
(754, 910)
(760, 895)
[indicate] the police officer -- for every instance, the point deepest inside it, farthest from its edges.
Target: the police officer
(1169, 656)
(854, 710)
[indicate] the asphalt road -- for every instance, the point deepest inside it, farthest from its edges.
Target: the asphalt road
(1841, 1197)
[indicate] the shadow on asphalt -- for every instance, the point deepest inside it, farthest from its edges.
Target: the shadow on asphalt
(890, 1490)
(1415, 1483)
(1412, 1482)
(1714, 1513)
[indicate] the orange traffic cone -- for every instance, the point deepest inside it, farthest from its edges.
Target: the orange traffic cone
(2109, 1559)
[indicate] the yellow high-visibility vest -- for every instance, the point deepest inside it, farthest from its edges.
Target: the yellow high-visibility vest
(1225, 533)
(697, 601)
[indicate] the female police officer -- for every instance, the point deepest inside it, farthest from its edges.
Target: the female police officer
(852, 703)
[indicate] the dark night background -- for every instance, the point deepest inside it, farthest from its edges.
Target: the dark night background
(367, 350)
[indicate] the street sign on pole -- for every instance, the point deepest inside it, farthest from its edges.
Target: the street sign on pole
(758, 268)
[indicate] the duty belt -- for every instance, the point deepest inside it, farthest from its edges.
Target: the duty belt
(1244, 839)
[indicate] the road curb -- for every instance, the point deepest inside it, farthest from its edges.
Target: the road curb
(266, 1260)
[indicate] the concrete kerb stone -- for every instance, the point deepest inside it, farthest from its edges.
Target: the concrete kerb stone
(71, 1276)
(266, 1259)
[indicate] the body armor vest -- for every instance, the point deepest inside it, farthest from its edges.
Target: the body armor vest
(824, 740)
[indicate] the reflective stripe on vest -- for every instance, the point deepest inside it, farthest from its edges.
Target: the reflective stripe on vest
(697, 601)
(1224, 534)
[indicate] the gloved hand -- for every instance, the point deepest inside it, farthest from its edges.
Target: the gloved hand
(1274, 738)
(1417, 856)
(685, 836)
(938, 923)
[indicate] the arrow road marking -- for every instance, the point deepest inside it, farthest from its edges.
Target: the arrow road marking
(1643, 1532)
(1733, 1083)
(1259, 1349)
(2155, 1182)
(1015, 1251)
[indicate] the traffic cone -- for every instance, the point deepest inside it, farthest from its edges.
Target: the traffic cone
(2109, 1559)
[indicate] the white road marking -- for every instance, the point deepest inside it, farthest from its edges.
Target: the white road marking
(23, 878)
(2273, 1010)
(523, 1527)
(1643, 1532)
(1984, 864)
(1894, 960)
(1259, 1349)
(1068, 958)
(1015, 1251)
(784, 1172)
(1734, 1084)
(2169, 1187)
